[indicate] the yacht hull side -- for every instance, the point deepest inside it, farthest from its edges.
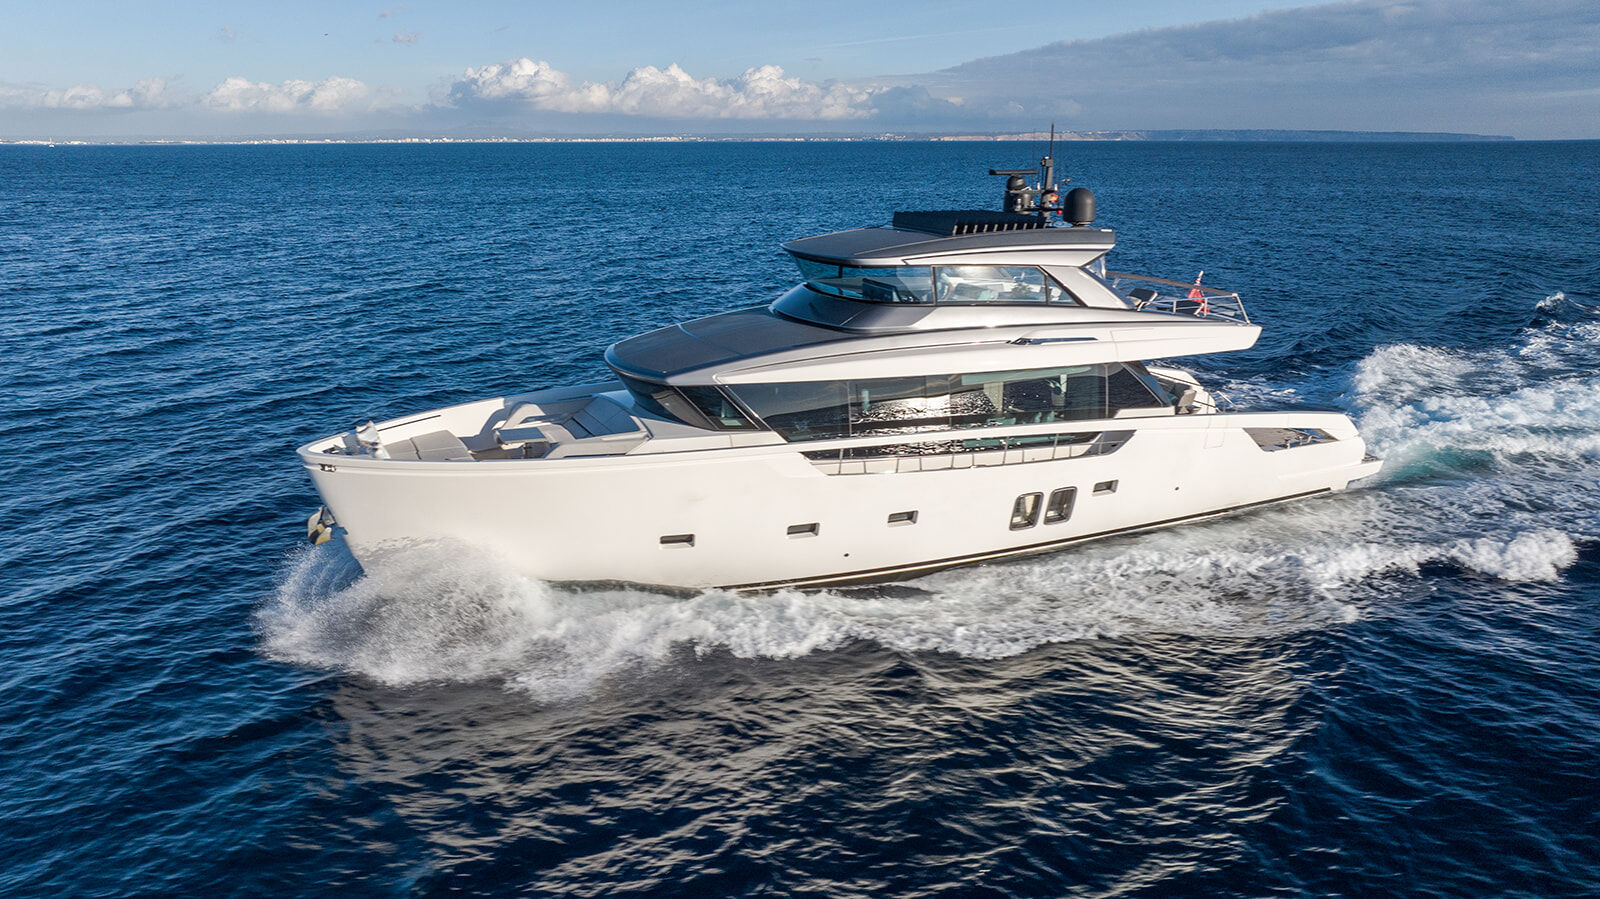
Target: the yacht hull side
(750, 513)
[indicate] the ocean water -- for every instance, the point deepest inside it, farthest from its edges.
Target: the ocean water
(1394, 691)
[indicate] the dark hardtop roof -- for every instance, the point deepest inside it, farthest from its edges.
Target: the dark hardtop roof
(886, 245)
(659, 354)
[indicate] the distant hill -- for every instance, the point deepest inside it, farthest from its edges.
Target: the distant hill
(1246, 134)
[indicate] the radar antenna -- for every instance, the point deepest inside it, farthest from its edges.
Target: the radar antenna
(1043, 197)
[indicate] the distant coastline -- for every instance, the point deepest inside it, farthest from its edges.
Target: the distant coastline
(1246, 134)
(1199, 135)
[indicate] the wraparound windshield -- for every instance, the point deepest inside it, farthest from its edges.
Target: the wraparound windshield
(899, 284)
(950, 284)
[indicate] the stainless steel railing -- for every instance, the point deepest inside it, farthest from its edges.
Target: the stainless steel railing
(1212, 302)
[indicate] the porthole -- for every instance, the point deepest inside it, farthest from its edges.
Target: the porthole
(1105, 487)
(1059, 507)
(897, 519)
(1025, 511)
(805, 530)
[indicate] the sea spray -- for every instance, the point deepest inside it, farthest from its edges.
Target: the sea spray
(1468, 438)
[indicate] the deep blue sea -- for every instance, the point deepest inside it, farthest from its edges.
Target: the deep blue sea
(1394, 691)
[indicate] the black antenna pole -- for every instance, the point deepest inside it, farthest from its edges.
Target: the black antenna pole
(1052, 155)
(1047, 171)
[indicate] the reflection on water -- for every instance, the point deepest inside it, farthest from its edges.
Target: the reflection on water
(925, 769)
(1187, 691)
(1386, 691)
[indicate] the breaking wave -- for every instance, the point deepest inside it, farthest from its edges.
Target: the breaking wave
(1492, 459)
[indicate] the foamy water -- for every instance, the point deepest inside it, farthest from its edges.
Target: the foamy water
(1391, 686)
(1467, 439)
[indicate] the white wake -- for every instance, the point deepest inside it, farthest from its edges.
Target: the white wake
(1492, 466)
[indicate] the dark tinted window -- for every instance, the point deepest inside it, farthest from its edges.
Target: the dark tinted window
(1161, 390)
(884, 406)
(1031, 397)
(810, 410)
(715, 406)
(898, 406)
(701, 407)
(1126, 390)
(896, 284)
(661, 401)
(974, 404)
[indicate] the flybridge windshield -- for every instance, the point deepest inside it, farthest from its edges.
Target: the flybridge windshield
(945, 284)
(901, 284)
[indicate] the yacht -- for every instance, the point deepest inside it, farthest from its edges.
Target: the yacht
(953, 387)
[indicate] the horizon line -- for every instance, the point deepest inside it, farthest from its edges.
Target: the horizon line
(1128, 135)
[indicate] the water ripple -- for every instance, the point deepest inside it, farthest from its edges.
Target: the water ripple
(1387, 691)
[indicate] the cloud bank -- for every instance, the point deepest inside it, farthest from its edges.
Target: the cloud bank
(764, 92)
(150, 93)
(330, 96)
(1517, 66)
(1369, 64)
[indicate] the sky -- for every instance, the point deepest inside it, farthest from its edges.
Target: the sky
(71, 69)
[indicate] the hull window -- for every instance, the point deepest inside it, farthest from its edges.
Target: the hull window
(678, 540)
(1105, 487)
(805, 530)
(897, 519)
(1025, 511)
(1059, 508)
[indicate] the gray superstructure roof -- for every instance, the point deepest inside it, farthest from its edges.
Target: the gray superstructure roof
(893, 246)
(716, 339)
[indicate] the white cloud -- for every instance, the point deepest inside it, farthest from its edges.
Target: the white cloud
(328, 96)
(764, 92)
(151, 93)
(1519, 66)
(331, 98)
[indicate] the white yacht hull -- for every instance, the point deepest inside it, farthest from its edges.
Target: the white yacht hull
(603, 518)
